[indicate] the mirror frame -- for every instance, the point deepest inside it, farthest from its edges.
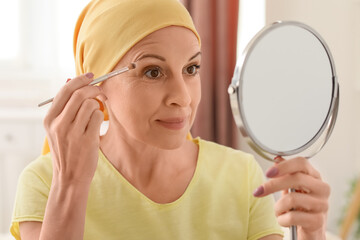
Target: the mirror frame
(313, 146)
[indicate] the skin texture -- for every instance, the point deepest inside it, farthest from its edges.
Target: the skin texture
(151, 110)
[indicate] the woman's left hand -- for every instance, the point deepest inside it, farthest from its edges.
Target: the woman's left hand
(306, 207)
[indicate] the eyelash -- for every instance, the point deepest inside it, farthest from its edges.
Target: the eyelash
(197, 67)
(151, 68)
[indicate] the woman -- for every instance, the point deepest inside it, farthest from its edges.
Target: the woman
(143, 179)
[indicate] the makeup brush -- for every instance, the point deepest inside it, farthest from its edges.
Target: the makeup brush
(100, 79)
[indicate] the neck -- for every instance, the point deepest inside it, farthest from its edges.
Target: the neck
(141, 163)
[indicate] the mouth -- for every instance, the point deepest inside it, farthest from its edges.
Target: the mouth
(173, 123)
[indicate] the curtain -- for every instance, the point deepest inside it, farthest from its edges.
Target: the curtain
(216, 22)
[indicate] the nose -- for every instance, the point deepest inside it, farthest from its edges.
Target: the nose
(178, 92)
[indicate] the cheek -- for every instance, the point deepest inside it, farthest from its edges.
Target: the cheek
(195, 92)
(135, 104)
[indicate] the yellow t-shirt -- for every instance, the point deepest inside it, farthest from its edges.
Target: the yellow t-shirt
(217, 204)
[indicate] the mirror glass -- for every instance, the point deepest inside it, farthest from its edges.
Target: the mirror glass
(285, 89)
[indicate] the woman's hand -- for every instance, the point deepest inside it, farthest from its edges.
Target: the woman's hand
(72, 126)
(307, 207)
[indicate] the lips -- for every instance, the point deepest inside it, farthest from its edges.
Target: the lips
(176, 123)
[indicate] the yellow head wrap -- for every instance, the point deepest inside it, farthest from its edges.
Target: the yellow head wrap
(107, 29)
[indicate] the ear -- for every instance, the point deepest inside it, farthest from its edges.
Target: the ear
(101, 100)
(102, 106)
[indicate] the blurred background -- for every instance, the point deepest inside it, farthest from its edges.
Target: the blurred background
(36, 59)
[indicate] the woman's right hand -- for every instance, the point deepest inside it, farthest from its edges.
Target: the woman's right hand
(72, 126)
(73, 130)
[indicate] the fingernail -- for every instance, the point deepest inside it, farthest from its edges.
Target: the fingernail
(259, 191)
(272, 172)
(89, 75)
(67, 80)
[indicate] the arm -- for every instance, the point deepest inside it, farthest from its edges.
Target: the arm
(64, 215)
(30, 230)
(66, 207)
(72, 125)
(65, 212)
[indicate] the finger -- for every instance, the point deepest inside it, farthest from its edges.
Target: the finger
(284, 192)
(278, 159)
(308, 221)
(65, 93)
(77, 99)
(300, 202)
(93, 127)
(291, 166)
(299, 181)
(84, 114)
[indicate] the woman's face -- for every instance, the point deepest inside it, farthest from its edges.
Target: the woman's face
(156, 102)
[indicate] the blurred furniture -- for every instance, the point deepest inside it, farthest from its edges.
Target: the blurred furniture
(351, 213)
(21, 138)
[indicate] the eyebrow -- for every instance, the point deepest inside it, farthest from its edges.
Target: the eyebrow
(150, 56)
(162, 58)
(197, 54)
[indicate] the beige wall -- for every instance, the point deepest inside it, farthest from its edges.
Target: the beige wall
(338, 21)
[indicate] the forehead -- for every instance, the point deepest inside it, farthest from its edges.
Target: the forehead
(168, 40)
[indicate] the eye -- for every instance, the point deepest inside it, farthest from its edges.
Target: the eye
(153, 73)
(192, 70)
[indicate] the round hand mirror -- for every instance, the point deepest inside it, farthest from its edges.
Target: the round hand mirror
(284, 93)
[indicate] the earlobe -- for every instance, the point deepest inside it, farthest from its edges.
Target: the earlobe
(101, 98)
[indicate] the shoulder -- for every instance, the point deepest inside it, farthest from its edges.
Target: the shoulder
(221, 160)
(41, 163)
(221, 154)
(32, 190)
(39, 170)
